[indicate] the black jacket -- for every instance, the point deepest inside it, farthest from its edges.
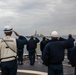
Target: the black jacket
(21, 41)
(32, 44)
(54, 51)
(72, 39)
(42, 44)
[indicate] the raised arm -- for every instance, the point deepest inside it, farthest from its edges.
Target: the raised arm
(16, 33)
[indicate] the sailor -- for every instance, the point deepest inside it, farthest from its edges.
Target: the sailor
(31, 46)
(53, 54)
(8, 52)
(20, 49)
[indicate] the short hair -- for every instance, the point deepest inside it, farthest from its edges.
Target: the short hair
(70, 35)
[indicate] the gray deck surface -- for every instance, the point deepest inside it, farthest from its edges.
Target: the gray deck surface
(40, 69)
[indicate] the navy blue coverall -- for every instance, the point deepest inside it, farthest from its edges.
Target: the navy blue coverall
(20, 51)
(31, 46)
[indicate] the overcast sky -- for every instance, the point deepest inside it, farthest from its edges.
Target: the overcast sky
(27, 16)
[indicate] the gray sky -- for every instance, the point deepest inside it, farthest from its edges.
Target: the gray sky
(27, 16)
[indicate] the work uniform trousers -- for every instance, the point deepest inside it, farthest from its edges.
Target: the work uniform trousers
(32, 56)
(68, 53)
(9, 68)
(55, 69)
(20, 55)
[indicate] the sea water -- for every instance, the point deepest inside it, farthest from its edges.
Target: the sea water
(38, 51)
